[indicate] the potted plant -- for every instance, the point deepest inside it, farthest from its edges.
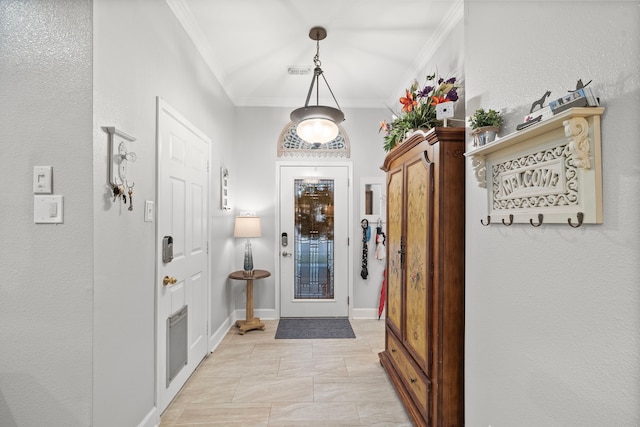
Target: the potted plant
(485, 125)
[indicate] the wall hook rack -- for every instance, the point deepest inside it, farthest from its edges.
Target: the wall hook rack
(119, 156)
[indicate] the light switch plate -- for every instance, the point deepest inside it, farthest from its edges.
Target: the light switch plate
(42, 179)
(148, 211)
(48, 209)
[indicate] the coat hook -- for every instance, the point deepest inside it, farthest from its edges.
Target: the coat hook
(488, 221)
(510, 220)
(540, 217)
(580, 216)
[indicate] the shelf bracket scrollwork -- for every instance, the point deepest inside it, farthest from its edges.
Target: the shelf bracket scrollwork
(577, 130)
(480, 170)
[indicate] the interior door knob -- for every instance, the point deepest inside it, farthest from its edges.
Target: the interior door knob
(285, 253)
(169, 280)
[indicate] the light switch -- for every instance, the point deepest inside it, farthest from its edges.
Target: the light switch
(148, 211)
(48, 209)
(42, 179)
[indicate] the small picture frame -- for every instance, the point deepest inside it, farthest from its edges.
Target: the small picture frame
(225, 205)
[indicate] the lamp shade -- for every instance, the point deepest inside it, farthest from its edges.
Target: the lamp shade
(247, 226)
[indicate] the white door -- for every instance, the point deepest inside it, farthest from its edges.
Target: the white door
(314, 264)
(183, 194)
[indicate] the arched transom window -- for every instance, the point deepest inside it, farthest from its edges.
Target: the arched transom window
(290, 144)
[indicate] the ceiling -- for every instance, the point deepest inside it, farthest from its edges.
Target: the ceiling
(372, 51)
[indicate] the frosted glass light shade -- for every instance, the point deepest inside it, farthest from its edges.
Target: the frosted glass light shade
(247, 226)
(317, 130)
(317, 123)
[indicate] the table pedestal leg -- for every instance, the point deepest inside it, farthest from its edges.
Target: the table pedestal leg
(250, 322)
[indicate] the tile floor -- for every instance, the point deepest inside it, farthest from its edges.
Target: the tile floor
(256, 380)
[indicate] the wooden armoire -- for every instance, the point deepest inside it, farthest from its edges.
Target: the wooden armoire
(424, 350)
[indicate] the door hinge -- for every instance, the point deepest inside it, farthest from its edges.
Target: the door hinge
(347, 299)
(348, 241)
(207, 248)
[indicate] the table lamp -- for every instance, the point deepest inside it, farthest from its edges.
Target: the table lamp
(247, 226)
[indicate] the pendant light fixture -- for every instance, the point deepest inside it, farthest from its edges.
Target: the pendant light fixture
(317, 123)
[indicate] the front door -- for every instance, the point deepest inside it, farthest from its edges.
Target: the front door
(182, 231)
(313, 241)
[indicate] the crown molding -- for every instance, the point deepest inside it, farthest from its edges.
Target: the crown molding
(452, 18)
(185, 17)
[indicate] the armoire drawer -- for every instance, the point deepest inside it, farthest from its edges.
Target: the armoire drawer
(413, 379)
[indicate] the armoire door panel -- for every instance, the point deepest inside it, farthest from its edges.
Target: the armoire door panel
(418, 266)
(394, 236)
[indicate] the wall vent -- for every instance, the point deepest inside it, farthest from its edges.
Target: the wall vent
(298, 70)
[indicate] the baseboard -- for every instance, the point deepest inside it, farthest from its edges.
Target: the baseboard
(218, 335)
(366, 313)
(271, 314)
(152, 419)
(262, 313)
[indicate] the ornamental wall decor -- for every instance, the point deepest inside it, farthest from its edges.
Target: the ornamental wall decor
(550, 172)
(290, 144)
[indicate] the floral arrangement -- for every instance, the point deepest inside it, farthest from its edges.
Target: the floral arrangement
(418, 108)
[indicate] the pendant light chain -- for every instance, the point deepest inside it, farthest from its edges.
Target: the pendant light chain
(316, 58)
(317, 124)
(318, 72)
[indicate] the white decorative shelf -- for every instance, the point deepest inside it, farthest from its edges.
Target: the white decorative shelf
(550, 172)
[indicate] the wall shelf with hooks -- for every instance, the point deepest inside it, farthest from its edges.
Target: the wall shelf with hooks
(119, 156)
(548, 173)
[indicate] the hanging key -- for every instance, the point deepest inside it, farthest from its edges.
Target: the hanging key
(130, 188)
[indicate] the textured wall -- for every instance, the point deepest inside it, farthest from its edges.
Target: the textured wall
(137, 59)
(553, 313)
(47, 271)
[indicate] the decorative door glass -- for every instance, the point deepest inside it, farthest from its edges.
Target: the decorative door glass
(314, 239)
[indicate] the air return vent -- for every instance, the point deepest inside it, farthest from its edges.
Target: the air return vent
(299, 70)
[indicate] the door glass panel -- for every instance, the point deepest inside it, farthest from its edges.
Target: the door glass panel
(313, 239)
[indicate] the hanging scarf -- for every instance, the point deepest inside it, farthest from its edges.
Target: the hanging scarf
(364, 273)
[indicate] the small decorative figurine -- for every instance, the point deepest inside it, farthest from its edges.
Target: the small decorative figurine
(540, 102)
(579, 85)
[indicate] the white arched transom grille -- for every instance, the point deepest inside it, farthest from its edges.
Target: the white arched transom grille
(290, 144)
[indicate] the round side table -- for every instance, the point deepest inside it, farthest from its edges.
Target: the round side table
(250, 321)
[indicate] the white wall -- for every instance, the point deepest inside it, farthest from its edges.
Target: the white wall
(553, 313)
(46, 290)
(254, 180)
(141, 52)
